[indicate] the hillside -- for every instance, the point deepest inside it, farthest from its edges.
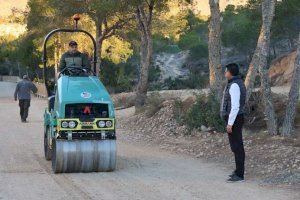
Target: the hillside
(281, 69)
(7, 5)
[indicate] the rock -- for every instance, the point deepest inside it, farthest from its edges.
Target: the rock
(204, 128)
(294, 165)
(200, 155)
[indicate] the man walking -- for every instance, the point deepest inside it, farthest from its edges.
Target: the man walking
(232, 110)
(22, 93)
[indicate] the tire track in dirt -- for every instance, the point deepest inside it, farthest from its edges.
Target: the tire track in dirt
(73, 191)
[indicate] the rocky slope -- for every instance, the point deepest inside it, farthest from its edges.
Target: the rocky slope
(281, 69)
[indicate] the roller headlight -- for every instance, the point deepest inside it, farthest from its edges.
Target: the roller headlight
(65, 124)
(101, 124)
(72, 124)
(108, 124)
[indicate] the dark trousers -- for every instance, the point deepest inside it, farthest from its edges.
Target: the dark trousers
(237, 145)
(24, 108)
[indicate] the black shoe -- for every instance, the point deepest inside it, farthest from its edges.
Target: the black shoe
(232, 174)
(234, 179)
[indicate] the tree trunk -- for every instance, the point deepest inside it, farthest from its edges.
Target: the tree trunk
(253, 67)
(214, 48)
(57, 55)
(144, 22)
(99, 40)
(264, 36)
(56, 60)
(291, 108)
(260, 61)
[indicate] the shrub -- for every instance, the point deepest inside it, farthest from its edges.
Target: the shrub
(164, 44)
(125, 84)
(124, 100)
(153, 104)
(154, 73)
(192, 41)
(205, 111)
(178, 111)
(116, 78)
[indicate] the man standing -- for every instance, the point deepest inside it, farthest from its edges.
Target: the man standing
(74, 58)
(22, 93)
(232, 110)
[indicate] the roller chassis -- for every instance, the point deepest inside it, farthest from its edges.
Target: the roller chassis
(78, 140)
(53, 131)
(87, 146)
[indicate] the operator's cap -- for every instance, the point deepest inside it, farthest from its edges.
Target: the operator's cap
(73, 43)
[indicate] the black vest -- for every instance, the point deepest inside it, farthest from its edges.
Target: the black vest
(226, 101)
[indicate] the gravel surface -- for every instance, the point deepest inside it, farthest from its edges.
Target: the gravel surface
(269, 160)
(143, 172)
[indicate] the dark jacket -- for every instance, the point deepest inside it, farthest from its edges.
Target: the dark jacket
(226, 101)
(77, 59)
(23, 89)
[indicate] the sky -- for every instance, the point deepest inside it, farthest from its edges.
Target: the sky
(203, 7)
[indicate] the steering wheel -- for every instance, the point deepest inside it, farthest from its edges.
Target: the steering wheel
(76, 71)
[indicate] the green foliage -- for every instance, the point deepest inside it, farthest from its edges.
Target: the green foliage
(7, 46)
(194, 36)
(241, 25)
(206, 111)
(18, 55)
(286, 20)
(125, 84)
(240, 28)
(43, 17)
(109, 74)
(154, 74)
(163, 44)
(175, 28)
(189, 40)
(192, 41)
(192, 21)
(117, 78)
(116, 50)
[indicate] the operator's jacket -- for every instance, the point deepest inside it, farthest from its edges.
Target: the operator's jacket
(77, 59)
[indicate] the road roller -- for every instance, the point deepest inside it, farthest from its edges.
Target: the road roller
(79, 122)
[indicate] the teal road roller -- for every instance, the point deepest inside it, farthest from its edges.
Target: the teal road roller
(79, 122)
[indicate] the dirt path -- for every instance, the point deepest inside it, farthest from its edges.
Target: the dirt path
(142, 172)
(7, 89)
